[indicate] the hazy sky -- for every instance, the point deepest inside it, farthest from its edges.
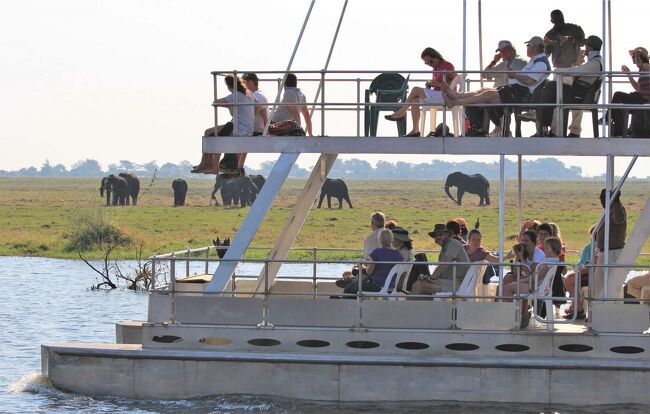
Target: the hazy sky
(130, 79)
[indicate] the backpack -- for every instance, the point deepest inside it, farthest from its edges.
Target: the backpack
(286, 128)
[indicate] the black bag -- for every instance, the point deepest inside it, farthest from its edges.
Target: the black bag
(579, 89)
(442, 130)
(417, 269)
(286, 128)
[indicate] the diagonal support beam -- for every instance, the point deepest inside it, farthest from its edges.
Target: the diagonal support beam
(297, 217)
(252, 221)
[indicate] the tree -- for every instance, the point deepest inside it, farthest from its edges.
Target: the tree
(86, 168)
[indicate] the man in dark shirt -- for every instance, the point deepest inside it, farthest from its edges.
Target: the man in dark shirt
(617, 234)
(562, 43)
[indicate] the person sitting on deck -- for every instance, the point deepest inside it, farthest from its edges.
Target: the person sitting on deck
(527, 250)
(377, 221)
(583, 77)
(617, 235)
(442, 278)
(509, 60)
(552, 249)
(521, 83)
(641, 95)
(636, 284)
(546, 230)
(454, 228)
(476, 252)
(245, 123)
(463, 228)
(530, 224)
(404, 244)
(583, 272)
(377, 272)
(443, 73)
(294, 101)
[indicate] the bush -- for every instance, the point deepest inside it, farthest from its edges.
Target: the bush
(93, 231)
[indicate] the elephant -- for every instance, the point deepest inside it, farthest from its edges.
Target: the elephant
(259, 182)
(474, 184)
(334, 188)
(180, 191)
(238, 190)
(217, 243)
(117, 187)
(134, 186)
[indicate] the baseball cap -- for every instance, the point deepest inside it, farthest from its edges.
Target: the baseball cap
(535, 41)
(503, 44)
(594, 42)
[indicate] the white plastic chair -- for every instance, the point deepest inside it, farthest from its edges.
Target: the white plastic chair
(456, 111)
(467, 287)
(544, 292)
(395, 272)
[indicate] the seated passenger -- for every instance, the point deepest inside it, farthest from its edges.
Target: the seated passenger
(546, 230)
(476, 252)
(552, 249)
(443, 73)
(527, 250)
(583, 272)
(296, 105)
(530, 224)
(454, 228)
(377, 220)
(245, 123)
(463, 228)
(404, 244)
(521, 84)
(441, 280)
(378, 272)
(640, 96)
(509, 60)
(585, 75)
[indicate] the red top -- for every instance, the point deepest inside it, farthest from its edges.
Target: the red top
(444, 65)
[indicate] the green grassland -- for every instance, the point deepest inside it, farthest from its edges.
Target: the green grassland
(38, 215)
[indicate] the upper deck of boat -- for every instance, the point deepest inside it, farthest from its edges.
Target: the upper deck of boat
(435, 145)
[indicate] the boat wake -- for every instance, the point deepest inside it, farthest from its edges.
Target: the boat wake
(32, 382)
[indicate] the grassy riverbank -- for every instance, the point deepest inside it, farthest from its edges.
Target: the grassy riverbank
(38, 215)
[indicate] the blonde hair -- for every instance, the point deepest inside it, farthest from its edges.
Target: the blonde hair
(555, 244)
(386, 238)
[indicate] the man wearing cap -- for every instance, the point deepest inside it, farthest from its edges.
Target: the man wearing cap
(261, 111)
(584, 77)
(521, 84)
(505, 59)
(562, 44)
(641, 95)
(441, 280)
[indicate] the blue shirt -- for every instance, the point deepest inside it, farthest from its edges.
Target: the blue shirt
(383, 254)
(585, 256)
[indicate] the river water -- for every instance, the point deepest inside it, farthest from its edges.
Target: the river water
(48, 300)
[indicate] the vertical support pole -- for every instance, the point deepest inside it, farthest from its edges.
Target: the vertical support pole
(235, 112)
(520, 195)
(172, 285)
(314, 258)
(322, 103)
(207, 260)
(187, 262)
(608, 203)
(559, 109)
(358, 107)
(480, 39)
(502, 196)
(216, 108)
(152, 282)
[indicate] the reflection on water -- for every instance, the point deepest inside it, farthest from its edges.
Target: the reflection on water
(48, 300)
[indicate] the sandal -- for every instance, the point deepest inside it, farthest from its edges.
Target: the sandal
(392, 117)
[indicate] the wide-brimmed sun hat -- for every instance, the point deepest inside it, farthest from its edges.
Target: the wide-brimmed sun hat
(438, 228)
(401, 234)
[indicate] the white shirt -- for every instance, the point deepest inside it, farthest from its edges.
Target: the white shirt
(291, 95)
(534, 71)
(245, 114)
(259, 122)
(371, 243)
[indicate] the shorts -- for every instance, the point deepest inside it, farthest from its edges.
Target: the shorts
(433, 97)
(514, 93)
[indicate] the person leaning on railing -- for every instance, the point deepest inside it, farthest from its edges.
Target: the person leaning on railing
(640, 96)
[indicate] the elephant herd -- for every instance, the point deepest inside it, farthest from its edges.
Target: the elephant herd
(123, 189)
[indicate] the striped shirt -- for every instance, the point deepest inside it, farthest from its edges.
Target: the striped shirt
(644, 87)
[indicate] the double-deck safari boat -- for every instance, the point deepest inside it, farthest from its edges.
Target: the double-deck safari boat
(227, 325)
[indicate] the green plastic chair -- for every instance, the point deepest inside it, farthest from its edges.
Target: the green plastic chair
(387, 88)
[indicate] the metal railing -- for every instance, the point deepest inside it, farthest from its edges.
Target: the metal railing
(357, 106)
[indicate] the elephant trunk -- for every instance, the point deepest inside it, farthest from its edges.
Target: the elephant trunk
(449, 194)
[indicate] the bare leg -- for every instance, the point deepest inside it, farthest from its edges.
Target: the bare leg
(487, 96)
(416, 96)
(241, 160)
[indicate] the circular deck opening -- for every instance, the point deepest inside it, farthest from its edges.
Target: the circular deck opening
(264, 342)
(412, 346)
(362, 344)
(313, 343)
(576, 348)
(627, 349)
(215, 340)
(462, 346)
(512, 347)
(167, 339)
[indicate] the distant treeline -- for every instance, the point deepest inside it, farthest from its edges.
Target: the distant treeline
(543, 168)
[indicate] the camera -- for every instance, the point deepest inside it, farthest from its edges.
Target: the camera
(518, 248)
